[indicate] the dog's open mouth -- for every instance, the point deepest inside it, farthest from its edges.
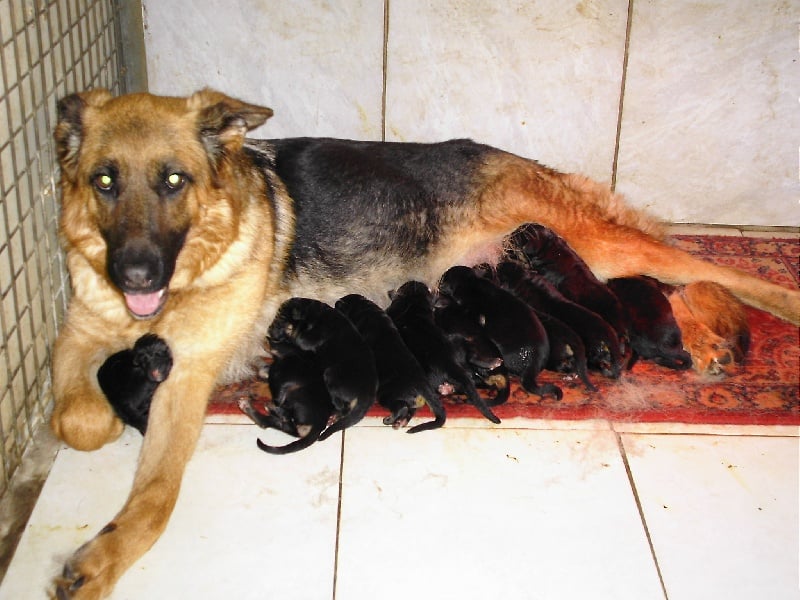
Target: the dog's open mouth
(146, 306)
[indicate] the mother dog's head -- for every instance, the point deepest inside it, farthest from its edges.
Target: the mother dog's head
(149, 186)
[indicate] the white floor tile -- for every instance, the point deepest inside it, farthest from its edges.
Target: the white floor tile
(722, 513)
(246, 526)
(489, 514)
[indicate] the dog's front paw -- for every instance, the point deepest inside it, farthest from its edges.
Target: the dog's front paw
(90, 574)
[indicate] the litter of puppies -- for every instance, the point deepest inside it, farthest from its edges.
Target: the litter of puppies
(539, 308)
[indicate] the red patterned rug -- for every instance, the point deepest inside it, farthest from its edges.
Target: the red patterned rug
(763, 391)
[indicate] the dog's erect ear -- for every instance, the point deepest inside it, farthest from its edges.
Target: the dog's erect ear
(223, 121)
(69, 129)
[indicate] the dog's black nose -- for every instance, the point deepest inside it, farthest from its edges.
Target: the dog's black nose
(137, 267)
(137, 277)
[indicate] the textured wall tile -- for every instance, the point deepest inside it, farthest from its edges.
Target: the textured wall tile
(317, 64)
(710, 127)
(539, 78)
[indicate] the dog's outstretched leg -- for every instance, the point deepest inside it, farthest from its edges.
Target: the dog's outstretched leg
(174, 426)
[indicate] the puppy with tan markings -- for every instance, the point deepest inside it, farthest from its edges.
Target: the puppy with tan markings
(600, 339)
(175, 223)
(411, 310)
(402, 384)
(339, 351)
(509, 322)
(474, 350)
(301, 405)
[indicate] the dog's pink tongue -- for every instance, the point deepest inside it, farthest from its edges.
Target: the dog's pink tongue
(144, 305)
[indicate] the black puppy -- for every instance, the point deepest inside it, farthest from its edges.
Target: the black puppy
(403, 386)
(346, 362)
(600, 339)
(474, 350)
(654, 333)
(301, 405)
(551, 257)
(567, 350)
(130, 377)
(411, 310)
(509, 322)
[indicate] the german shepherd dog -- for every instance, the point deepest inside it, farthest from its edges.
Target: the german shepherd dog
(175, 224)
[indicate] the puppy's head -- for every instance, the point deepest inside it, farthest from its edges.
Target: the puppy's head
(143, 177)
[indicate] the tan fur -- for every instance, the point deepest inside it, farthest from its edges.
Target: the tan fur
(229, 281)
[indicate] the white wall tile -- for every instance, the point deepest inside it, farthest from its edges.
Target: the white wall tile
(541, 79)
(317, 64)
(711, 126)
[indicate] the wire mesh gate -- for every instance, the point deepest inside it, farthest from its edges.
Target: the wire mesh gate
(47, 49)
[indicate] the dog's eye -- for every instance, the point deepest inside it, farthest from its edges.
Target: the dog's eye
(175, 181)
(104, 182)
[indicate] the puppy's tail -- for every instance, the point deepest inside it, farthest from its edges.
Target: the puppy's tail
(349, 419)
(437, 408)
(304, 442)
(475, 399)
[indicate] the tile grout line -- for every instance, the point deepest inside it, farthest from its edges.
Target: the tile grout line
(385, 67)
(338, 519)
(625, 56)
(636, 499)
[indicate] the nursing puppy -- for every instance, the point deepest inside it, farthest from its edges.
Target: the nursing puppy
(174, 223)
(509, 322)
(341, 354)
(552, 258)
(600, 339)
(301, 405)
(411, 310)
(654, 333)
(402, 384)
(129, 378)
(474, 350)
(567, 350)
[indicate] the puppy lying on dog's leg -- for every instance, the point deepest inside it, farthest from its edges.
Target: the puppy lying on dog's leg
(130, 377)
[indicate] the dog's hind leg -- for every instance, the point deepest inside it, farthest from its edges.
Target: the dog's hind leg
(613, 239)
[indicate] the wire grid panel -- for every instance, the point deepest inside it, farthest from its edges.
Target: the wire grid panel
(47, 49)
